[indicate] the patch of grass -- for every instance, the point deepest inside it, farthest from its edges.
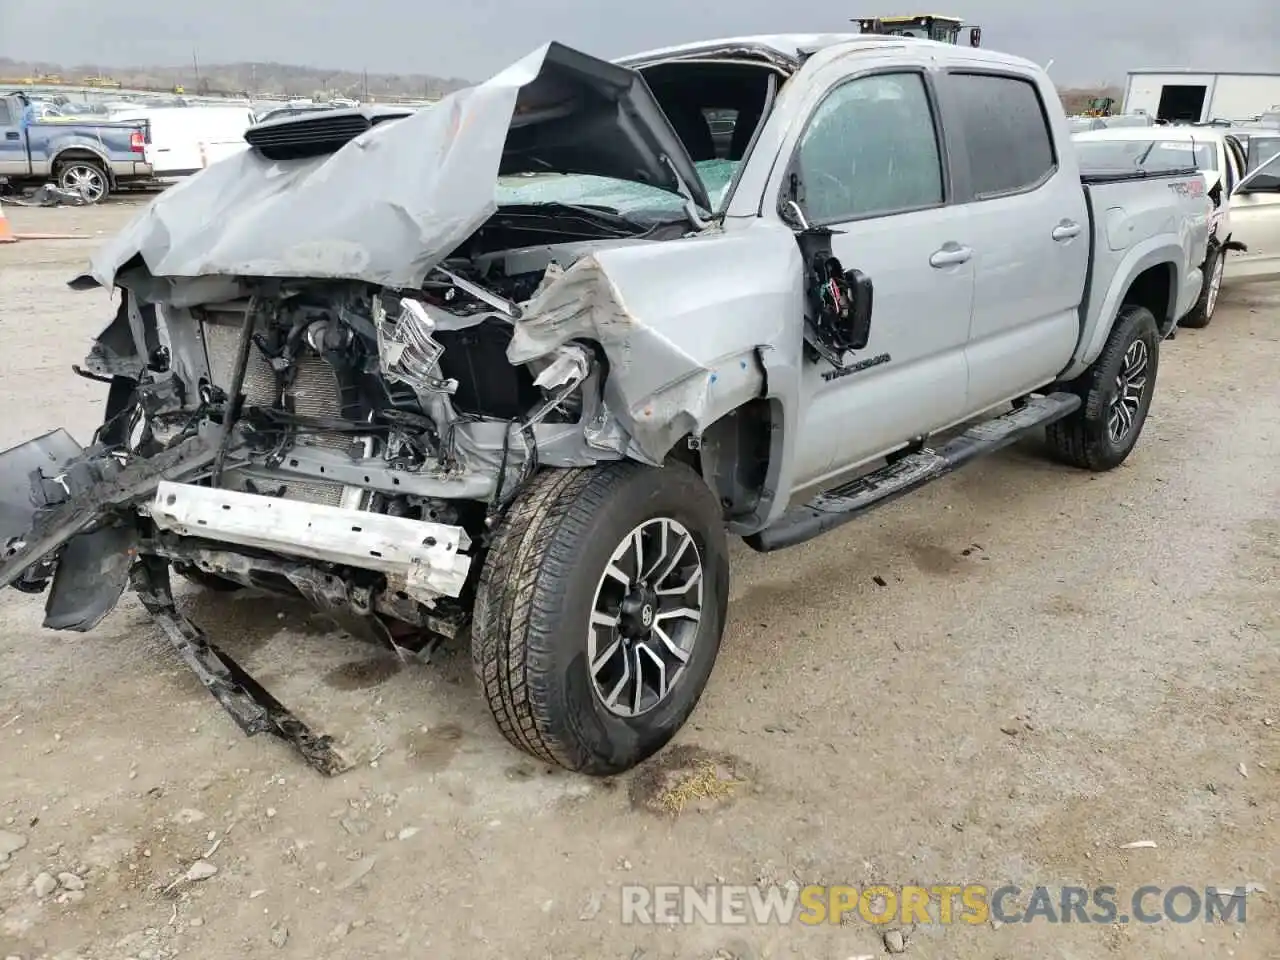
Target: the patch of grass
(703, 782)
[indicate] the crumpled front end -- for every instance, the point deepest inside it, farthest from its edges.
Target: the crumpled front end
(338, 392)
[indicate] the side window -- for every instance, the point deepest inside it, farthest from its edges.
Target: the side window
(870, 149)
(1264, 152)
(5, 119)
(1005, 133)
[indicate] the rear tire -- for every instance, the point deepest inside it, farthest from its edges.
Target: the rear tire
(1202, 313)
(86, 177)
(1116, 391)
(553, 632)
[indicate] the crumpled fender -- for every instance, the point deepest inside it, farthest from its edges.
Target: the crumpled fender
(683, 324)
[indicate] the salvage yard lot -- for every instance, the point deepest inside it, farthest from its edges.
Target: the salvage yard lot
(1001, 680)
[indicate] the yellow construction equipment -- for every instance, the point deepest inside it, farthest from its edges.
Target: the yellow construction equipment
(1100, 107)
(925, 26)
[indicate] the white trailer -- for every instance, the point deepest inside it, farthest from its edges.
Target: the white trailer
(185, 140)
(1191, 96)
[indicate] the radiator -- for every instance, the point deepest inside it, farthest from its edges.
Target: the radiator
(315, 392)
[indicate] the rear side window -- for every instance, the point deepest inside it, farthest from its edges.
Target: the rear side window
(1005, 133)
(5, 119)
(1264, 152)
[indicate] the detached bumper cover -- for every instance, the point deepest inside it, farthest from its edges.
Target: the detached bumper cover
(420, 558)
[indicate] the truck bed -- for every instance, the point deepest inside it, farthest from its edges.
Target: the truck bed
(1133, 227)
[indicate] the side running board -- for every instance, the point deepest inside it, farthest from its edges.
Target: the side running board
(849, 501)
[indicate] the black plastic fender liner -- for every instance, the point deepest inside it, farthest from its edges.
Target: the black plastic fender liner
(92, 573)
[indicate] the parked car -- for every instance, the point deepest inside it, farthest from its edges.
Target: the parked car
(1245, 223)
(1255, 207)
(343, 366)
(88, 157)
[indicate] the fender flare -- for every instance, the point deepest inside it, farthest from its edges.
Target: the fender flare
(1157, 251)
(55, 157)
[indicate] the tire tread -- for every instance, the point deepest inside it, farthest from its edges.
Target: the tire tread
(1075, 440)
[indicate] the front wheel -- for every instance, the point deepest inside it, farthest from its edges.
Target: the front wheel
(1116, 391)
(599, 613)
(1207, 302)
(86, 178)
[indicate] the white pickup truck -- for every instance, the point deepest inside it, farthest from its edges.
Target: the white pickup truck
(342, 366)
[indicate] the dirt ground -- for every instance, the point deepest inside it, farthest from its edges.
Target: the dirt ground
(1003, 680)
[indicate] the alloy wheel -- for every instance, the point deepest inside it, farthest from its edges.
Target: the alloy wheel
(645, 616)
(1131, 384)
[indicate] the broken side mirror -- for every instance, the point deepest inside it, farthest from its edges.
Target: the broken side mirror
(861, 299)
(838, 318)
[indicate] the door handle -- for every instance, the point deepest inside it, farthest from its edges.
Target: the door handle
(1066, 230)
(11, 135)
(950, 255)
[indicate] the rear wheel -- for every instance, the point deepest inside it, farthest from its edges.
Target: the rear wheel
(1116, 391)
(85, 177)
(1202, 313)
(599, 613)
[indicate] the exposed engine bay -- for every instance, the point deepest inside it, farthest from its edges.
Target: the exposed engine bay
(348, 419)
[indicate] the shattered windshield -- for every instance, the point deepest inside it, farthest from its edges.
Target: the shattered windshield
(622, 196)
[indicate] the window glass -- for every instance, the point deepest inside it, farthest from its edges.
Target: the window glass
(1262, 150)
(1004, 131)
(1149, 156)
(870, 148)
(5, 119)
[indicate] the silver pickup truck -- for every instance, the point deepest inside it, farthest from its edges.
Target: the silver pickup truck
(348, 366)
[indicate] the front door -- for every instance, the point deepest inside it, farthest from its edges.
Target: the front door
(1255, 213)
(13, 146)
(869, 166)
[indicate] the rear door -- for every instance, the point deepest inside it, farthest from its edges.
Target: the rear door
(13, 145)
(1255, 212)
(1029, 227)
(871, 166)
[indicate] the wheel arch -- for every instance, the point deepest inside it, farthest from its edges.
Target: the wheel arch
(1148, 276)
(70, 154)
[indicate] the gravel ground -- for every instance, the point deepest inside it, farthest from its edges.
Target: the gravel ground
(1004, 679)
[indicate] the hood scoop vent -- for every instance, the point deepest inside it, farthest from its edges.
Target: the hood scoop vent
(317, 134)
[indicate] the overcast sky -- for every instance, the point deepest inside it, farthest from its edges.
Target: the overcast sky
(1089, 40)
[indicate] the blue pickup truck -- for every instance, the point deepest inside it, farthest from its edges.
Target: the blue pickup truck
(90, 158)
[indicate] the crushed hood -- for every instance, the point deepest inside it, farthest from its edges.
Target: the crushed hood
(392, 202)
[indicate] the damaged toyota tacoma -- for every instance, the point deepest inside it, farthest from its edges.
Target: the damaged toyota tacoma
(520, 363)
